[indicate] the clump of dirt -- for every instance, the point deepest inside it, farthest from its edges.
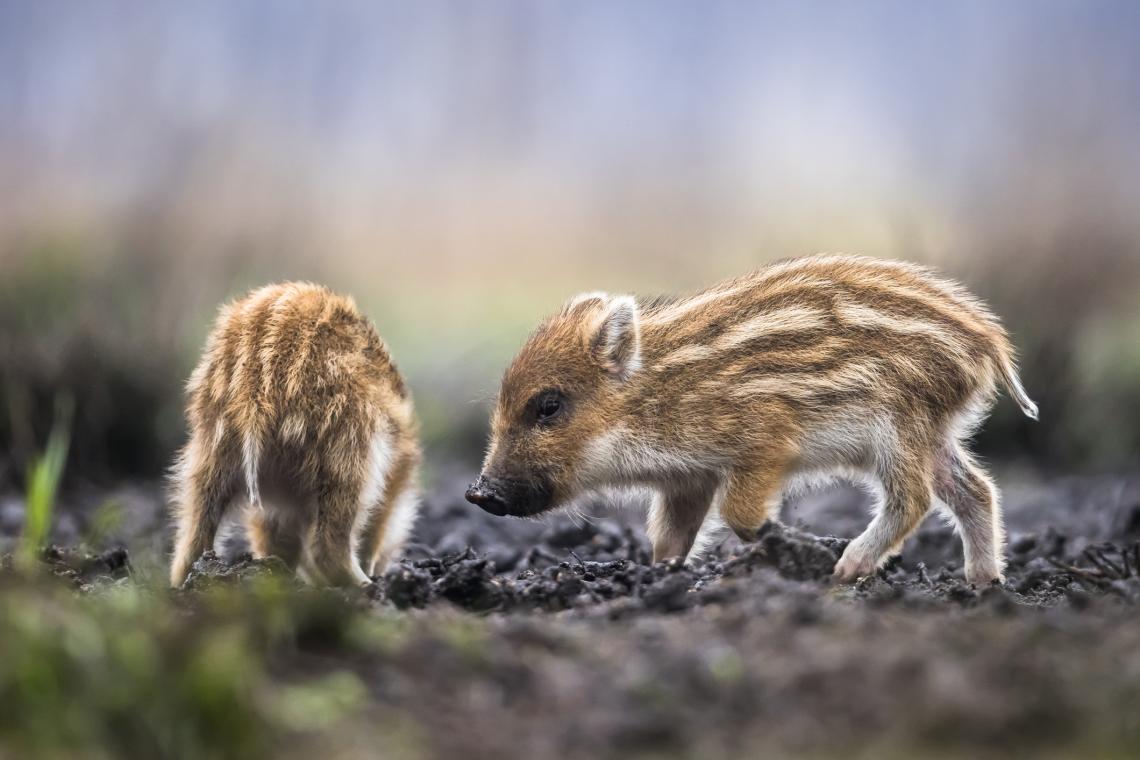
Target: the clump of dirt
(212, 570)
(468, 581)
(405, 585)
(793, 553)
(86, 571)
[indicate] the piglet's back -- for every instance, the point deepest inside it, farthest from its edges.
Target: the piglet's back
(294, 363)
(828, 328)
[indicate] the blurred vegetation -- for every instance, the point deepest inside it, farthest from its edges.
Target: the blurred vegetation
(87, 335)
(120, 336)
(132, 671)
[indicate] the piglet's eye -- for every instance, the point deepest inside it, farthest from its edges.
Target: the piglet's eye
(548, 406)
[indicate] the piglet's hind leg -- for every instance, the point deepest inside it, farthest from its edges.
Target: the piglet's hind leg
(676, 516)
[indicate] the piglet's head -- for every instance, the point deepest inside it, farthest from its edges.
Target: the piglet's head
(561, 392)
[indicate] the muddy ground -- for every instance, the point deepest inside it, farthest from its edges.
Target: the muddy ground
(558, 638)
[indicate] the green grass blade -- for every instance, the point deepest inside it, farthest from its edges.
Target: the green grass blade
(44, 476)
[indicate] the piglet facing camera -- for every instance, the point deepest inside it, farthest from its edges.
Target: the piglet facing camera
(298, 416)
(719, 400)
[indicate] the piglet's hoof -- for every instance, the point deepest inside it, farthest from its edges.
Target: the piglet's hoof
(851, 567)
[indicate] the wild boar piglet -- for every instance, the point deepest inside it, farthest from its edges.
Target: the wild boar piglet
(822, 366)
(298, 416)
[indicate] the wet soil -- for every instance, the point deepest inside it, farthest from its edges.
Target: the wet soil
(583, 648)
(1071, 540)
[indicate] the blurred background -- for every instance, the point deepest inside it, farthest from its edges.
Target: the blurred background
(462, 167)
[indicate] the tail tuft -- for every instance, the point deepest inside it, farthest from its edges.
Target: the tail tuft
(1012, 384)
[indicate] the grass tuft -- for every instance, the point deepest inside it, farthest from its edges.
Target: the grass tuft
(44, 476)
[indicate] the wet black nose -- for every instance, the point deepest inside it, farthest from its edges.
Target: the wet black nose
(482, 493)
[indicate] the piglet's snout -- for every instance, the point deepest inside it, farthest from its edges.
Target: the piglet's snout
(483, 493)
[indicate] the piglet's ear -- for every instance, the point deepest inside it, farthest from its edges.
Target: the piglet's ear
(617, 337)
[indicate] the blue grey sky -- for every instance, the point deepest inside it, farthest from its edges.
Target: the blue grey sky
(751, 118)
